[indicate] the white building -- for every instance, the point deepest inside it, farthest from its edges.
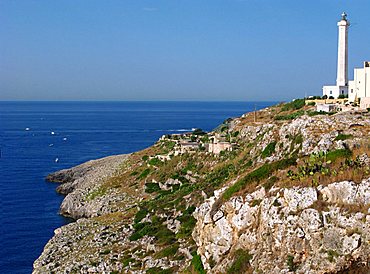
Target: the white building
(326, 107)
(216, 148)
(188, 146)
(360, 86)
(365, 103)
(341, 88)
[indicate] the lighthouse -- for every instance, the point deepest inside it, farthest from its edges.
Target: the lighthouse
(341, 88)
(342, 65)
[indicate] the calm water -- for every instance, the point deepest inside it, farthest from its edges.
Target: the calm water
(82, 131)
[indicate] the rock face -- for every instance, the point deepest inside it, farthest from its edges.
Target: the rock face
(288, 222)
(305, 134)
(80, 181)
(97, 245)
(135, 213)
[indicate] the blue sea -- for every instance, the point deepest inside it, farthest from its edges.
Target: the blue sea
(37, 138)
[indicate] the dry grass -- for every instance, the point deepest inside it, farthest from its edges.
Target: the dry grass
(112, 218)
(267, 115)
(354, 208)
(355, 174)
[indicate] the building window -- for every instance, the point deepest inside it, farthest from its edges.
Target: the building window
(342, 92)
(331, 92)
(351, 90)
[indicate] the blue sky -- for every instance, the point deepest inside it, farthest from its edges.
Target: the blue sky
(174, 49)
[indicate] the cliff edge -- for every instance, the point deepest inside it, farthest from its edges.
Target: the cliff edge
(282, 190)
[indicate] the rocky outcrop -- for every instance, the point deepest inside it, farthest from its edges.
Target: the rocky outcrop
(304, 135)
(135, 214)
(100, 245)
(305, 229)
(80, 181)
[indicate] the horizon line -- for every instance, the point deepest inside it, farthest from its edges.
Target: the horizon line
(146, 100)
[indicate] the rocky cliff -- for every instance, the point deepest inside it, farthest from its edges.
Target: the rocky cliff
(300, 229)
(82, 182)
(293, 195)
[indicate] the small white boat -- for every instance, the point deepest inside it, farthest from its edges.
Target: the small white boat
(56, 160)
(51, 145)
(64, 139)
(52, 133)
(27, 128)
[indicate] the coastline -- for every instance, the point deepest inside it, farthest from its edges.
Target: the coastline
(123, 225)
(76, 183)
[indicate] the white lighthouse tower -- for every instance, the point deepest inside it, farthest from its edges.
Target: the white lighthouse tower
(342, 70)
(341, 88)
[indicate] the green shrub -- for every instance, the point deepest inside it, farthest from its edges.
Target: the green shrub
(339, 153)
(220, 175)
(196, 262)
(96, 193)
(290, 263)
(156, 229)
(169, 144)
(311, 104)
(235, 133)
(276, 203)
(144, 174)
(141, 214)
(270, 182)
(134, 173)
(241, 262)
(158, 270)
(145, 157)
(246, 165)
(198, 131)
(256, 202)
(298, 139)
(155, 162)
(331, 255)
(320, 163)
(290, 116)
(294, 105)
(257, 175)
(205, 139)
(152, 187)
(187, 223)
(269, 150)
(105, 252)
(314, 113)
(169, 251)
(343, 137)
(127, 261)
(141, 229)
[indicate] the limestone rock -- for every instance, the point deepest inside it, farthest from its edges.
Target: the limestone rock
(287, 223)
(83, 180)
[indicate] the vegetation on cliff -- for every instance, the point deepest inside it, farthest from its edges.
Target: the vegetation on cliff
(141, 217)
